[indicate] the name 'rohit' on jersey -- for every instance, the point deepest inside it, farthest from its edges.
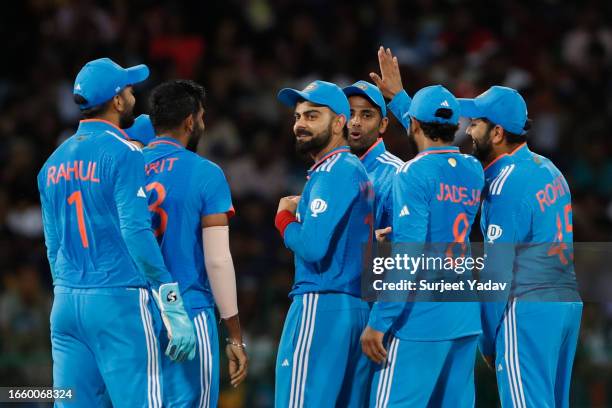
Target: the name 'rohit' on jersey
(334, 225)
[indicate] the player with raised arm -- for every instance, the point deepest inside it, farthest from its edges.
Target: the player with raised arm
(191, 204)
(103, 255)
(531, 332)
(429, 358)
(366, 127)
(319, 362)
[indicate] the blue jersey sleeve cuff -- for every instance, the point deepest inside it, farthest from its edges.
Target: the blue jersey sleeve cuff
(399, 105)
(379, 323)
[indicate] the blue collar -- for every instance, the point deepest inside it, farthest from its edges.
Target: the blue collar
(521, 152)
(165, 140)
(373, 152)
(333, 152)
(100, 125)
(439, 149)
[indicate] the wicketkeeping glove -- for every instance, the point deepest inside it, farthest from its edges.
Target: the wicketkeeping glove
(182, 344)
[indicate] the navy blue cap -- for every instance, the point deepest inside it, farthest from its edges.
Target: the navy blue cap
(99, 80)
(501, 105)
(370, 91)
(319, 92)
(142, 130)
(428, 100)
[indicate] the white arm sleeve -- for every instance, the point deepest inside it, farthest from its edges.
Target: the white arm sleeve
(220, 269)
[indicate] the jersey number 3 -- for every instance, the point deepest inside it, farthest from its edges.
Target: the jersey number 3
(155, 207)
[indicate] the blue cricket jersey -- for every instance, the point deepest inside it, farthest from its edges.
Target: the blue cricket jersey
(526, 201)
(335, 225)
(183, 187)
(381, 166)
(436, 196)
(97, 227)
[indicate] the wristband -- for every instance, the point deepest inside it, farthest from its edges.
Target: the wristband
(282, 220)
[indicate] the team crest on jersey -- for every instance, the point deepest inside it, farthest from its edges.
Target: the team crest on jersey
(317, 206)
(493, 233)
(452, 162)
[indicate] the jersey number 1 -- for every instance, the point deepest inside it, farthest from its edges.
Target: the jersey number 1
(77, 199)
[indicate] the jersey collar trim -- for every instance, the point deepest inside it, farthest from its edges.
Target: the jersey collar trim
(439, 150)
(165, 140)
(373, 151)
(501, 158)
(341, 149)
(86, 124)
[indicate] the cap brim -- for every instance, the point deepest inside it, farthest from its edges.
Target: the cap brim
(290, 96)
(468, 108)
(356, 91)
(137, 74)
(353, 90)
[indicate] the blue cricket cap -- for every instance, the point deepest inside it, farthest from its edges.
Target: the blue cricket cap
(99, 80)
(142, 130)
(501, 105)
(427, 102)
(319, 92)
(370, 91)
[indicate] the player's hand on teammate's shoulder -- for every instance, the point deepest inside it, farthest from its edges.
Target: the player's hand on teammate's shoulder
(381, 234)
(288, 203)
(238, 362)
(372, 345)
(390, 80)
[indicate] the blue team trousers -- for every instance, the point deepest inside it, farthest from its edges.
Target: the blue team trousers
(104, 346)
(195, 383)
(419, 374)
(320, 363)
(535, 348)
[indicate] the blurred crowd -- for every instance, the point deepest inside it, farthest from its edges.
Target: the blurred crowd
(557, 53)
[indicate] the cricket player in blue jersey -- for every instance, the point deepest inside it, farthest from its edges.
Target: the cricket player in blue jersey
(319, 362)
(190, 202)
(366, 127)
(103, 255)
(431, 346)
(530, 335)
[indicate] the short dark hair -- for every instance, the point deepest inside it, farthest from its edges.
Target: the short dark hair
(444, 132)
(173, 101)
(511, 138)
(94, 111)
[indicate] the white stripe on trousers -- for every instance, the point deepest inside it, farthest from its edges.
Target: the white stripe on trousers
(204, 348)
(383, 391)
(299, 369)
(153, 385)
(511, 357)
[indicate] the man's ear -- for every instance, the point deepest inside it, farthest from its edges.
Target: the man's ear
(497, 135)
(119, 103)
(189, 123)
(382, 128)
(339, 123)
(415, 126)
